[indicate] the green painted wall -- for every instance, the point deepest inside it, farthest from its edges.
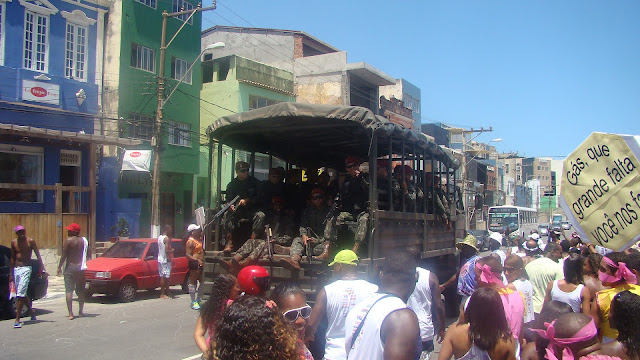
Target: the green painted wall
(138, 94)
(244, 78)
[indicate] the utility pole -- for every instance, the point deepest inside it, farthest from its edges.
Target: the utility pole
(156, 140)
(465, 180)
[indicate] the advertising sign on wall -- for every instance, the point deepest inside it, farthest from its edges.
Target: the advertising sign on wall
(41, 92)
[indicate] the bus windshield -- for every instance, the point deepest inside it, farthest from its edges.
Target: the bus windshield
(502, 221)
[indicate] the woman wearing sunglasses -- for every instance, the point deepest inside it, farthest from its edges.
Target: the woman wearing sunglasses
(292, 303)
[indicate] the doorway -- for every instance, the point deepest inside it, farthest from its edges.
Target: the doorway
(167, 210)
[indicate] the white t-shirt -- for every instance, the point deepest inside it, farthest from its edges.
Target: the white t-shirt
(526, 289)
(342, 296)
(368, 345)
(420, 303)
(162, 253)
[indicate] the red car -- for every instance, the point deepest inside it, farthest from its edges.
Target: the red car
(132, 264)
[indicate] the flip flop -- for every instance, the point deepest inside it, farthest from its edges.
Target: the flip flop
(17, 325)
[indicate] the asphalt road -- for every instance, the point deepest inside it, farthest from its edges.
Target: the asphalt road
(148, 328)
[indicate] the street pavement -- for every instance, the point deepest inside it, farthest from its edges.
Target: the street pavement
(146, 328)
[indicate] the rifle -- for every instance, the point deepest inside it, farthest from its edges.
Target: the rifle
(309, 246)
(267, 230)
(334, 208)
(223, 210)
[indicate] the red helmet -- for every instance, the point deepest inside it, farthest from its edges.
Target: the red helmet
(254, 280)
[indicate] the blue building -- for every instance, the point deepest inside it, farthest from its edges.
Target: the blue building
(51, 56)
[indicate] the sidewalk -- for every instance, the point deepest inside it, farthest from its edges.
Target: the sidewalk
(56, 288)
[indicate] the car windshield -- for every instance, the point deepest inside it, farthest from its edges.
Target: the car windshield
(126, 250)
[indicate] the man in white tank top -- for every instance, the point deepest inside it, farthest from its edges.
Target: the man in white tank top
(336, 300)
(382, 326)
(426, 302)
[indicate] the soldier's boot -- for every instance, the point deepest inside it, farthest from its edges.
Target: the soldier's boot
(228, 248)
(238, 263)
(325, 253)
(292, 263)
(228, 265)
(356, 247)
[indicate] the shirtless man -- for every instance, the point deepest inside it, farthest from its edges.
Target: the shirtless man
(20, 270)
(76, 252)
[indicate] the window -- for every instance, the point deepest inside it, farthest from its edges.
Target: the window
(140, 126)
(75, 63)
(408, 101)
(149, 3)
(456, 138)
(143, 58)
(179, 68)
(179, 134)
(2, 11)
(21, 165)
(36, 36)
(182, 5)
(506, 166)
(256, 102)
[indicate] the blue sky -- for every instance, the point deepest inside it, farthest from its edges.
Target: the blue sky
(544, 74)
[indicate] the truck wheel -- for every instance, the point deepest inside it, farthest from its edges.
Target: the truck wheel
(185, 284)
(127, 290)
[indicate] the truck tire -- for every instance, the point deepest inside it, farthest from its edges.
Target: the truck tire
(127, 290)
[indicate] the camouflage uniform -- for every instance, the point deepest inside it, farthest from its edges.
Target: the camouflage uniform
(312, 225)
(354, 198)
(282, 229)
(413, 197)
(440, 209)
(247, 189)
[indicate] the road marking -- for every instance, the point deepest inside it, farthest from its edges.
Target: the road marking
(193, 357)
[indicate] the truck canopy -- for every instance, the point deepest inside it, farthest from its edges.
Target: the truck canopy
(313, 135)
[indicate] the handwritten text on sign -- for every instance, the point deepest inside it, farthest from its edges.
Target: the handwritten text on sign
(601, 186)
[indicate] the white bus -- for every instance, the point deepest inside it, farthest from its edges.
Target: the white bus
(514, 220)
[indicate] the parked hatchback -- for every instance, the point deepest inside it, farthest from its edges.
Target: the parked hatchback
(38, 284)
(130, 265)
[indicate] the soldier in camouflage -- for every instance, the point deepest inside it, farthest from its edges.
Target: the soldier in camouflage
(282, 229)
(312, 229)
(354, 202)
(404, 187)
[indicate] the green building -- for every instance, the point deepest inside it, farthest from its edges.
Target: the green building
(130, 96)
(234, 84)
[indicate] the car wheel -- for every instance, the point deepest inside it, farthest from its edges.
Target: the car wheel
(127, 291)
(13, 308)
(185, 284)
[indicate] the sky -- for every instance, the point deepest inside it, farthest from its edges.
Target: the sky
(542, 74)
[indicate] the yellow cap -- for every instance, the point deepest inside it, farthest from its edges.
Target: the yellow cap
(345, 257)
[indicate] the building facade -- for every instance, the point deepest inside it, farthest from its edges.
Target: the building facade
(131, 96)
(233, 84)
(50, 74)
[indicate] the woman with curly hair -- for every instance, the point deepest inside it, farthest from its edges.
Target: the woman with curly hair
(292, 303)
(484, 333)
(590, 274)
(624, 316)
(251, 329)
(225, 290)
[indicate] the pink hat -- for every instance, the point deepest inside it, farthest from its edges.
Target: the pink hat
(18, 228)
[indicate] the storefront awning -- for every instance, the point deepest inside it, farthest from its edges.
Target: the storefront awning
(21, 130)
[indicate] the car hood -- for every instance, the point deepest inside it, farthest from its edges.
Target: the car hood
(110, 264)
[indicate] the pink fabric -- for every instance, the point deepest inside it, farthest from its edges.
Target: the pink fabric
(622, 273)
(560, 344)
(487, 276)
(513, 304)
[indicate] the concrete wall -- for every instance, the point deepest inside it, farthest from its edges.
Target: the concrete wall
(273, 49)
